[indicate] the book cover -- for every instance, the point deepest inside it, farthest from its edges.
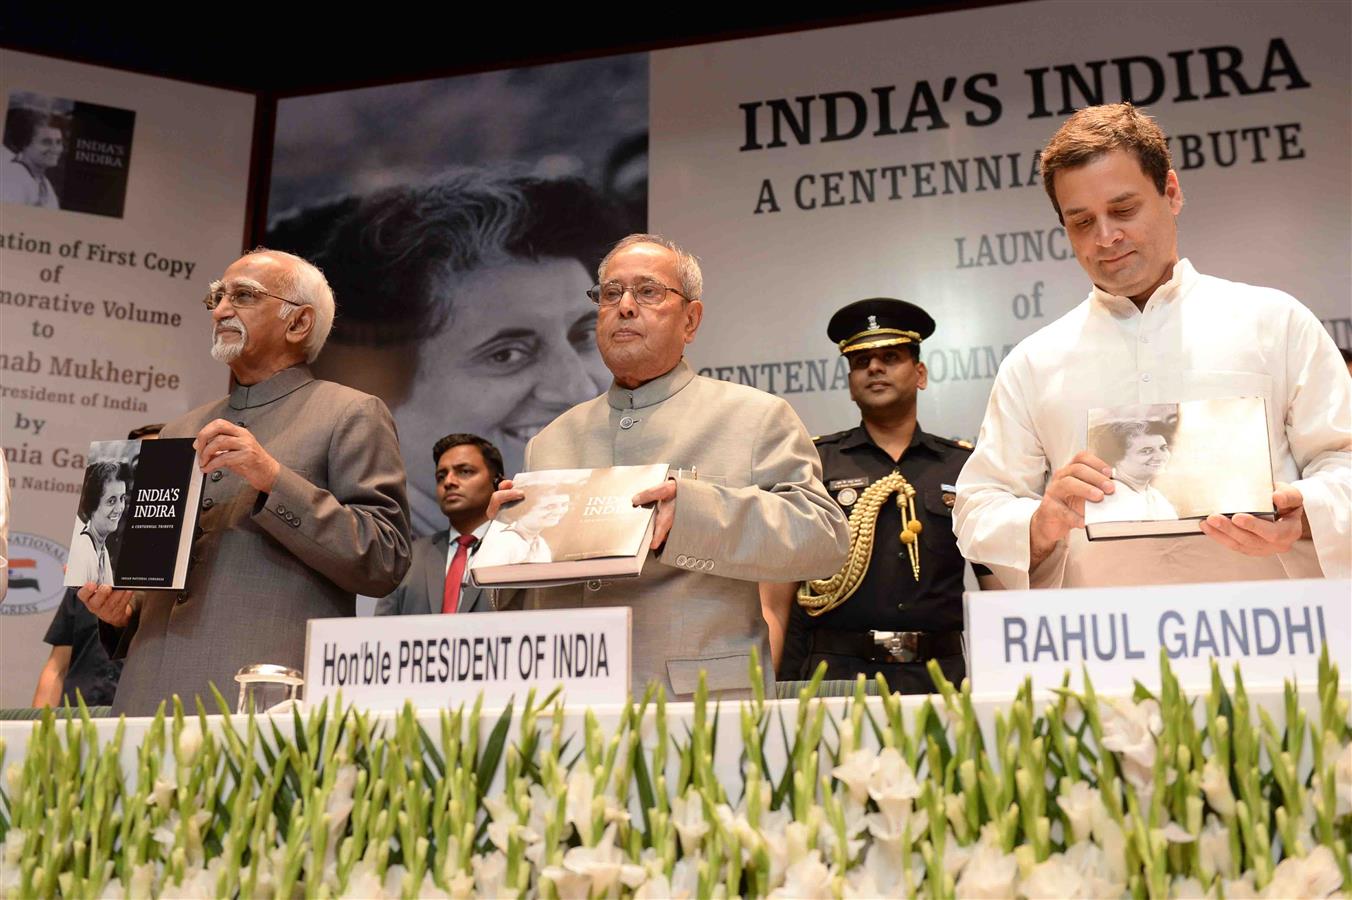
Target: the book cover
(574, 524)
(1174, 464)
(137, 510)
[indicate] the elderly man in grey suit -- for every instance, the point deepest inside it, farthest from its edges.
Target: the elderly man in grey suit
(745, 502)
(468, 471)
(303, 506)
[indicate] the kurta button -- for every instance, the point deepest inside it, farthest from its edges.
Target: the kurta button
(1145, 377)
(627, 422)
(217, 475)
(208, 503)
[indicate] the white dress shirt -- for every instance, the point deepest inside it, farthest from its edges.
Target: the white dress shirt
(1198, 338)
(474, 548)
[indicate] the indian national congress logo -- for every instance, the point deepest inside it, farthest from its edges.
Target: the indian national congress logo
(37, 568)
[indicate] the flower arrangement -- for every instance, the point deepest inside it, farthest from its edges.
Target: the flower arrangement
(1154, 795)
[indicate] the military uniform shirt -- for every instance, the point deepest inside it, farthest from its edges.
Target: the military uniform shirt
(890, 598)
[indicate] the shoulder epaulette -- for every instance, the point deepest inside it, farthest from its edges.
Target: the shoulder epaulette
(955, 442)
(834, 436)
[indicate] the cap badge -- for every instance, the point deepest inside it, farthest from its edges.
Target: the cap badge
(872, 323)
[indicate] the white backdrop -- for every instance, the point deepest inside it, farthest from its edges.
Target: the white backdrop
(188, 166)
(1278, 215)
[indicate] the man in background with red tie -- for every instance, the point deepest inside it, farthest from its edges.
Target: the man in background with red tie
(468, 471)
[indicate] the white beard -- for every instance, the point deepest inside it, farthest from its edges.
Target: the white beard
(226, 351)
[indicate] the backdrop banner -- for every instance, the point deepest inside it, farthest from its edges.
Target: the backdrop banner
(121, 197)
(900, 159)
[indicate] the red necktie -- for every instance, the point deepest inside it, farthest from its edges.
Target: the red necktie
(456, 573)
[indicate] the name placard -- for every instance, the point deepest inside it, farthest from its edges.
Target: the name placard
(1275, 630)
(440, 660)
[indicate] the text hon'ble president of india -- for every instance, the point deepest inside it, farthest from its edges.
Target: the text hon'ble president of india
(1152, 330)
(303, 505)
(744, 503)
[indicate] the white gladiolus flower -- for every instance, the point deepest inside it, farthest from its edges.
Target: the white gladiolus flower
(1108, 835)
(1130, 729)
(955, 857)
(162, 794)
(1187, 889)
(603, 866)
(683, 884)
(198, 883)
(1213, 849)
(363, 882)
(855, 772)
(1316, 875)
(808, 878)
(1054, 877)
(490, 874)
(1241, 888)
(1216, 786)
(988, 873)
(143, 880)
(189, 741)
(892, 784)
(1082, 805)
(1101, 876)
(687, 817)
(578, 809)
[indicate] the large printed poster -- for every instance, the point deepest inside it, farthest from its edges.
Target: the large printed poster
(121, 197)
(460, 221)
(900, 159)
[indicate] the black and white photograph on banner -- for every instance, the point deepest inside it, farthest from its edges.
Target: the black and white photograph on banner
(66, 154)
(460, 261)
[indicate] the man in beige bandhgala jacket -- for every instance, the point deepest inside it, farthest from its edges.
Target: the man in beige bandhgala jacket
(303, 505)
(744, 502)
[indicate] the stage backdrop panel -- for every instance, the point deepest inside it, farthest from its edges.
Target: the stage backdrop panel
(899, 159)
(460, 221)
(102, 271)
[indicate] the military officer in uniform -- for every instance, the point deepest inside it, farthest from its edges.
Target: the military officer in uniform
(897, 603)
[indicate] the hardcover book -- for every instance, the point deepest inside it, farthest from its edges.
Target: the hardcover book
(1174, 464)
(138, 507)
(573, 525)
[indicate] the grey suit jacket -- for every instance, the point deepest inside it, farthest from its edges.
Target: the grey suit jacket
(334, 525)
(750, 506)
(424, 584)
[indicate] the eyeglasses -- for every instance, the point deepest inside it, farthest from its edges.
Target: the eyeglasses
(241, 297)
(646, 293)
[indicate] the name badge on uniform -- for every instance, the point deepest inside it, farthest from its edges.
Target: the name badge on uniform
(847, 488)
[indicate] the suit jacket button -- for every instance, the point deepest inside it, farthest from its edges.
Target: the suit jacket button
(182, 596)
(281, 510)
(217, 475)
(295, 523)
(208, 503)
(682, 559)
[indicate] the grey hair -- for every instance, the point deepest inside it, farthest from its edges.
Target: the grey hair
(687, 265)
(305, 285)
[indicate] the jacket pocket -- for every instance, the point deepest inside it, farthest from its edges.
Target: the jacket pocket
(722, 673)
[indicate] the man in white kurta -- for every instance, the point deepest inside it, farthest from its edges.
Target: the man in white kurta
(1152, 330)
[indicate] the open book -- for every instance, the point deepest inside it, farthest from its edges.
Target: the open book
(138, 507)
(1174, 464)
(573, 525)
